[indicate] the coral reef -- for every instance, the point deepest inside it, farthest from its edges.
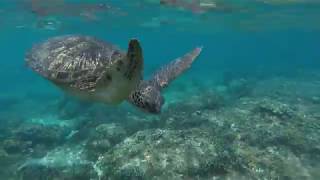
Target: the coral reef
(39, 134)
(103, 138)
(167, 154)
(274, 109)
(12, 146)
(60, 163)
(219, 133)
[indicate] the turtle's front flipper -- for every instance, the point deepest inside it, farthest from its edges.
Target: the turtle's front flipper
(134, 60)
(123, 75)
(147, 96)
(172, 70)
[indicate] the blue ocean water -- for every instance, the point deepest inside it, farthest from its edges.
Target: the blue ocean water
(260, 55)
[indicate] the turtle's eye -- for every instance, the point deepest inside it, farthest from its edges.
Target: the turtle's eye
(148, 89)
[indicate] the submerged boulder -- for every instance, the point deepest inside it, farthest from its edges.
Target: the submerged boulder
(274, 109)
(40, 134)
(13, 146)
(61, 163)
(113, 132)
(103, 137)
(167, 154)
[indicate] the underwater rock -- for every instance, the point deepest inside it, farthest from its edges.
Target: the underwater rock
(39, 172)
(183, 120)
(272, 163)
(98, 146)
(212, 100)
(103, 138)
(192, 112)
(113, 132)
(207, 100)
(60, 163)
(39, 134)
(272, 108)
(12, 146)
(8, 164)
(167, 154)
(263, 122)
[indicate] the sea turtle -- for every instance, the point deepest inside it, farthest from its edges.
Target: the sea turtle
(95, 70)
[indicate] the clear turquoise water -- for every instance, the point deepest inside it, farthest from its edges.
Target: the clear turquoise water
(271, 37)
(280, 37)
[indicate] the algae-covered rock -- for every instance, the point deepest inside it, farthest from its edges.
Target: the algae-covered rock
(167, 154)
(12, 146)
(39, 134)
(183, 120)
(268, 107)
(113, 132)
(60, 163)
(272, 163)
(190, 113)
(103, 137)
(96, 147)
(39, 172)
(202, 100)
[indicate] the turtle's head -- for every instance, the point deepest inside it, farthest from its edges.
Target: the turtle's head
(147, 98)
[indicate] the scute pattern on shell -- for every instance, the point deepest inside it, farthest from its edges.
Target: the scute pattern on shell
(77, 60)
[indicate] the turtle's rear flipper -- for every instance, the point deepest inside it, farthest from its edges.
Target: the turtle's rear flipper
(171, 71)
